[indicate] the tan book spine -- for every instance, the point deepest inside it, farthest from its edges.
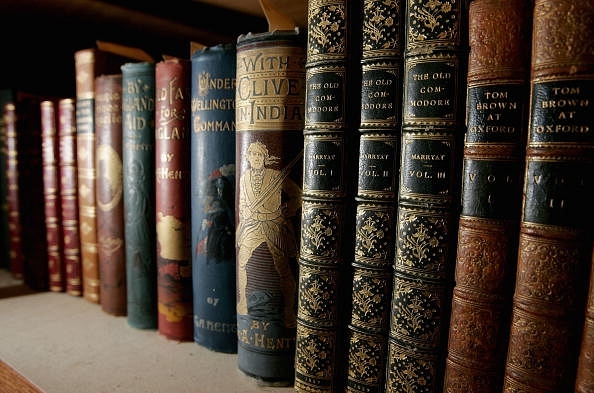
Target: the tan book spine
(85, 151)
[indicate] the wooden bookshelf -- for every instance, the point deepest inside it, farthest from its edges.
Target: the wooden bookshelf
(53, 342)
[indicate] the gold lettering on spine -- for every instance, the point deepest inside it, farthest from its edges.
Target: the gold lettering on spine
(207, 83)
(170, 112)
(268, 91)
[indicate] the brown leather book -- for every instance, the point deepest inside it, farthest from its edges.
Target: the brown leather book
(51, 194)
(493, 168)
(111, 250)
(555, 240)
(584, 380)
(69, 196)
(90, 63)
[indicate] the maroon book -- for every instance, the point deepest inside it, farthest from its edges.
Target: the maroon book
(172, 187)
(51, 194)
(111, 252)
(12, 178)
(69, 196)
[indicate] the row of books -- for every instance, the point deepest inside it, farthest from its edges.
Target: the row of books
(397, 199)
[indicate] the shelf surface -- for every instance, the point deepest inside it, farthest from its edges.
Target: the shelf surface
(66, 344)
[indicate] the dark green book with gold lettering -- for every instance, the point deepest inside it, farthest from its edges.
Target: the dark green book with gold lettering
(138, 122)
(330, 161)
(431, 143)
(213, 197)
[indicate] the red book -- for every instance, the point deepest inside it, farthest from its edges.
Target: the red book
(172, 145)
(51, 194)
(69, 196)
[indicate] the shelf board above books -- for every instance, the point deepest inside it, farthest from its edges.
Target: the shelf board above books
(39, 37)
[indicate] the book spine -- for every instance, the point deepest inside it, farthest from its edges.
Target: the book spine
(172, 199)
(375, 226)
(6, 96)
(51, 195)
(85, 160)
(584, 380)
(108, 194)
(269, 121)
(138, 117)
(69, 195)
(430, 162)
(12, 179)
(31, 194)
(330, 156)
(213, 197)
(555, 240)
(492, 177)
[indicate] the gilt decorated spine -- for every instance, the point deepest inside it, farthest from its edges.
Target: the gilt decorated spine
(172, 199)
(86, 70)
(69, 196)
(375, 230)
(213, 197)
(138, 123)
(111, 252)
(51, 195)
(16, 262)
(555, 238)
(584, 380)
(430, 166)
(330, 158)
(269, 117)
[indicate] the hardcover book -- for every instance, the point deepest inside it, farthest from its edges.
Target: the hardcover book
(31, 191)
(138, 133)
(269, 119)
(172, 199)
(6, 96)
(89, 63)
(330, 158)
(555, 240)
(111, 252)
(16, 261)
(377, 188)
(213, 197)
(428, 199)
(51, 195)
(69, 196)
(492, 178)
(584, 380)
